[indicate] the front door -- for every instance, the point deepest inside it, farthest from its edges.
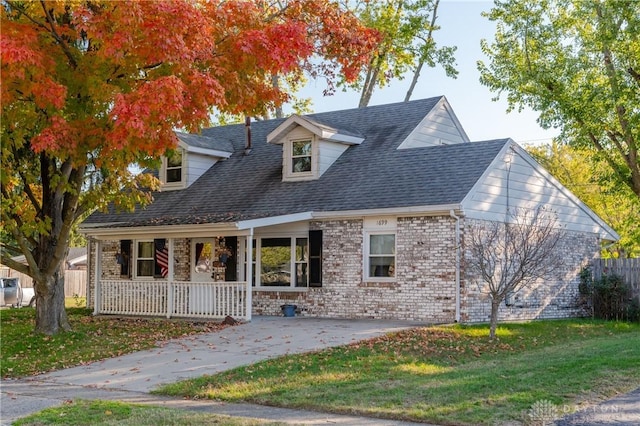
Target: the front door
(214, 259)
(203, 250)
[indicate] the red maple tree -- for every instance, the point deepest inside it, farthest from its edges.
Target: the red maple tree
(89, 88)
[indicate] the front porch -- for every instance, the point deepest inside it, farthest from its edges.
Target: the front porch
(204, 271)
(207, 300)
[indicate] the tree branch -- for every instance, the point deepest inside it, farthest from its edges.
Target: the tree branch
(27, 190)
(31, 268)
(20, 7)
(17, 266)
(57, 37)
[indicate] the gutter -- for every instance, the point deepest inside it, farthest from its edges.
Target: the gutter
(458, 248)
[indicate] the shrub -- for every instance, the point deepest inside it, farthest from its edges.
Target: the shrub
(609, 297)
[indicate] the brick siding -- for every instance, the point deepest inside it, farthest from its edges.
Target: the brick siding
(425, 288)
(425, 267)
(557, 298)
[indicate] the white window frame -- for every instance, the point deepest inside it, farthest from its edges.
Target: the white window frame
(292, 264)
(183, 175)
(288, 173)
(383, 225)
(134, 266)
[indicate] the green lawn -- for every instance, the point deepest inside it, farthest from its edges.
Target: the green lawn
(92, 339)
(444, 375)
(109, 413)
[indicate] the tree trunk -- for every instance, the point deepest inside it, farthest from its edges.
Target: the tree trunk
(275, 82)
(414, 81)
(370, 82)
(367, 88)
(416, 74)
(51, 316)
(493, 323)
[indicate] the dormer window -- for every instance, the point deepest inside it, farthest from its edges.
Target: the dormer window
(174, 167)
(310, 147)
(301, 157)
(173, 173)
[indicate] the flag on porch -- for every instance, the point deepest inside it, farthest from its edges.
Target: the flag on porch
(162, 256)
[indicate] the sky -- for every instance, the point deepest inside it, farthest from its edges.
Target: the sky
(462, 26)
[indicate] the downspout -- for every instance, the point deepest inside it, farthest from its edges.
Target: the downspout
(249, 272)
(458, 248)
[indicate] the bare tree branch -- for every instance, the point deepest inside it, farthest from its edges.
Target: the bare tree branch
(509, 256)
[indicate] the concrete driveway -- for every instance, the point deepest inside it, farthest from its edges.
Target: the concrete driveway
(262, 338)
(130, 377)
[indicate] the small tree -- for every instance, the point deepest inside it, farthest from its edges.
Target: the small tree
(511, 255)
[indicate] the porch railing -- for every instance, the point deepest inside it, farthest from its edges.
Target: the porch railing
(174, 299)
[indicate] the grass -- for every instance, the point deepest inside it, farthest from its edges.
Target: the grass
(109, 413)
(92, 338)
(75, 302)
(444, 375)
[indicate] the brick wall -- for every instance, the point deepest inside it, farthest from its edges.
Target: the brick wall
(425, 268)
(424, 290)
(555, 298)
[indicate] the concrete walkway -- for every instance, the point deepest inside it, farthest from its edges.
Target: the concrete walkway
(130, 377)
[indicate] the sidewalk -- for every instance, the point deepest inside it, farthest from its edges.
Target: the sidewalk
(130, 377)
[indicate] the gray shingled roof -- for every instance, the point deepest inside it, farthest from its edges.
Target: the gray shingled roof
(200, 141)
(372, 175)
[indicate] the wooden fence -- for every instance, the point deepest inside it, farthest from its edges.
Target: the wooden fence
(628, 269)
(75, 280)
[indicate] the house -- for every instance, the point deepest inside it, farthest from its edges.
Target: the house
(359, 213)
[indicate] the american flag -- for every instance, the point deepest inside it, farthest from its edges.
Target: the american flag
(162, 257)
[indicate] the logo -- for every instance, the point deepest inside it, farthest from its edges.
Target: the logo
(542, 413)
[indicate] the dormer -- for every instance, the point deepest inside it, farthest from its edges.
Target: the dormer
(439, 127)
(193, 156)
(310, 147)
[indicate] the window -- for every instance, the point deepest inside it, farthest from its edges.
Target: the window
(151, 258)
(283, 262)
(174, 167)
(275, 262)
(144, 259)
(381, 256)
(302, 262)
(301, 156)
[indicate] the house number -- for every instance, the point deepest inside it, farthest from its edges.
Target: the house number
(382, 222)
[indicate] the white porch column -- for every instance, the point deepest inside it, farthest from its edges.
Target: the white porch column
(249, 274)
(170, 273)
(97, 271)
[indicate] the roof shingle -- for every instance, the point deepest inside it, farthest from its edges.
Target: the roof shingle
(372, 175)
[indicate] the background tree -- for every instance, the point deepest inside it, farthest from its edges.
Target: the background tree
(588, 176)
(407, 43)
(511, 255)
(578, 64)
(90, 88)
